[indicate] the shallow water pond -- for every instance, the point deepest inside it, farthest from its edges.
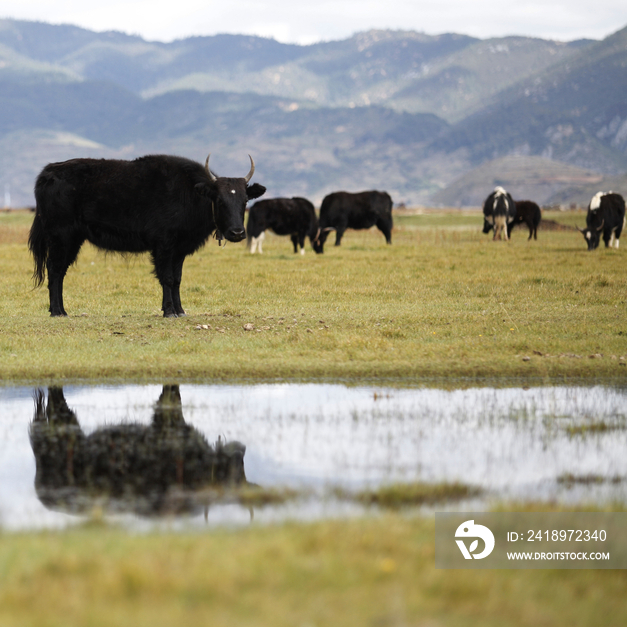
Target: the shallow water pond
(149, 448)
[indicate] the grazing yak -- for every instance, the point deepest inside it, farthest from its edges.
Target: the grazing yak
(295, 217)
(341, 210)
(165, 467)
(498, 210)
(606, 215)
(165, 205)
(529, 213)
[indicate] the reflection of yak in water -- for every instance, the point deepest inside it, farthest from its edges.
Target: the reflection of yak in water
(165, 467)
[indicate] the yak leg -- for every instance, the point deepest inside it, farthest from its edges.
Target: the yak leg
(57, 439)
(55, 291)
(294, 238)
(257, 243)
(298, 239)
(386, 229)
(164, 272)
(618, 231)
(176, 294)
(58, 410)
(168, 410)
(339, 232)
(500, 227)
(55, 411)
(62, 254)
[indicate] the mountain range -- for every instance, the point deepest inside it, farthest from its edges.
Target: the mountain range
(434, 120)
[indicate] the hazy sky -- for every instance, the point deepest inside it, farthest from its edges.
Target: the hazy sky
(294, 21)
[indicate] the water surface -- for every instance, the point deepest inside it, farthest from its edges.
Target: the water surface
(565, 444)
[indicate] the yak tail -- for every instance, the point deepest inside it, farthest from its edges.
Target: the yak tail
(39, 249)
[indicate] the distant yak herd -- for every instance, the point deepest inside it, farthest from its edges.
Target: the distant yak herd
(169, 207)
(605, 217)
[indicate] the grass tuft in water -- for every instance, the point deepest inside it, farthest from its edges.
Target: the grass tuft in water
(399, 495)
(592, 428)
(570, 480)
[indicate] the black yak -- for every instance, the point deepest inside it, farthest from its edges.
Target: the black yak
(529, 213)
(167, 206)
(151, 469)
(341, 210)
(295, 217)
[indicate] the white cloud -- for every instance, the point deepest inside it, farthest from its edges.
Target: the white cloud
(288, 21)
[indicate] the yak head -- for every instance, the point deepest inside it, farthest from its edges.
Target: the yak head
(594, 222)
(592, 235)
(228, 468)
(321, 238)
(228, 198)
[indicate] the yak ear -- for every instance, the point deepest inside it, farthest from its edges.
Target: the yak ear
(204, 189)
(255, 191)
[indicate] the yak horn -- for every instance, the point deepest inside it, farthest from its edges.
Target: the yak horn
(602, 225)
(580, 230)
(252, 170)
(211, 175)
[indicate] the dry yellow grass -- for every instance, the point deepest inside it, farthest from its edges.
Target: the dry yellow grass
(442, 302)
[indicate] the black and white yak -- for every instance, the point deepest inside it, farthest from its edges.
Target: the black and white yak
(498, 210)
(606, 217)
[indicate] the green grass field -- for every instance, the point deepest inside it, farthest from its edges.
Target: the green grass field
(444, 302)
(444, 305)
